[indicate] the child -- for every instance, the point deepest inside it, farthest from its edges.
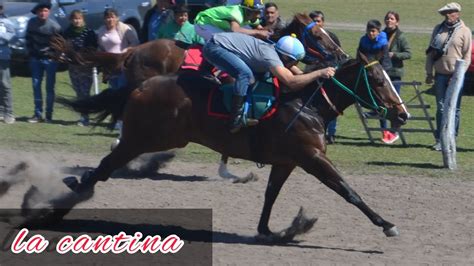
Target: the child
(81, 76)
(179, 28)
(374, 45)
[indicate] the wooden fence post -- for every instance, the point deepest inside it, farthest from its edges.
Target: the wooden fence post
(447, 131)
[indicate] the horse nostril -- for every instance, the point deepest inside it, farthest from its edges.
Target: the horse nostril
(403, 117)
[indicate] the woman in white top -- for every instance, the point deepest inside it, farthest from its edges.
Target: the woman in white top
(116, 37)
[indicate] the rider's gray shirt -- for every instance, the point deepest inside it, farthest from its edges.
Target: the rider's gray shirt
(257, 54)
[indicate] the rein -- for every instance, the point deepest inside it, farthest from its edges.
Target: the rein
(363, 73)
(314, 55)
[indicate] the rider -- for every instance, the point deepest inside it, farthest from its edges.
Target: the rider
(241, 55)
(235, 18)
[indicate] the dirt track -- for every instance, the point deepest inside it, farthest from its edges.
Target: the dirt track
(435, 216)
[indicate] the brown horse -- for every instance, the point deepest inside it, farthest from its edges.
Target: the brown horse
(166, 56)
(168, 112)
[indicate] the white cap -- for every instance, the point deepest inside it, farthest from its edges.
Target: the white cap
(450, 7)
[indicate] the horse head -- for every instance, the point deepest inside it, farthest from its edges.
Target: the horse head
(321, 50)
(373, 89)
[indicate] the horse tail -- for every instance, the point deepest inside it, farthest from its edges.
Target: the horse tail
(108, 102)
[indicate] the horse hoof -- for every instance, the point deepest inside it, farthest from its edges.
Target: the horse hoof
(392, 232)
(71, 182)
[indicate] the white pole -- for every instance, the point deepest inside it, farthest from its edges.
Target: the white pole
(96, 82)
(448, 139)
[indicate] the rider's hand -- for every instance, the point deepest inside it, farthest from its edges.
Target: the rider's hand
(327, 72)
(429, 79)
(263, 34)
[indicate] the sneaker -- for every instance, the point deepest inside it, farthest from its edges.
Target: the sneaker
(9, 119)
(390, 137)
(2, 117)
(35, 119)
(48, 120)
(437, 146)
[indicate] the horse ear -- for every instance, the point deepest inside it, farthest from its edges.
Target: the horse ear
(361, 56)
(303, 18)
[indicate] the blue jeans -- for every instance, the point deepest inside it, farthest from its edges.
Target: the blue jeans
(226, 61)
(396, 86)
(118, 81)
(38, 67)
(441, 83)
(331, 127)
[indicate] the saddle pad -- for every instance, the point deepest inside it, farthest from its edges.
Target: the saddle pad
(193, 58)
(262, 101)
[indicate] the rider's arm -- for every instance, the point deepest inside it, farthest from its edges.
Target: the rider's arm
(297, 82)
(296, 70)
(261, 34)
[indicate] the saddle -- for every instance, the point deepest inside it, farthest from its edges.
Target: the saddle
(261, 102)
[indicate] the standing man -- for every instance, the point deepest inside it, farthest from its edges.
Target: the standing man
(38, 32)
(7, 32)
(271, 18)
(158, 15)
(451, 40)
(331, 127)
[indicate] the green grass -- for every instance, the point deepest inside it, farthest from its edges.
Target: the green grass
(420, 13)
(353, 154)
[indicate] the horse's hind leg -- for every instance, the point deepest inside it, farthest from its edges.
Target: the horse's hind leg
(224, 172)
(320, 166)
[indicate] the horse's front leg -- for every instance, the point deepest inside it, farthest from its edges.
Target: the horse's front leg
(321, 167)
(278, 176)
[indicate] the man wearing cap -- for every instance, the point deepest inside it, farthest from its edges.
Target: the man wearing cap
(241, 55)
(38, 32)
(450, 40)
(7, 31)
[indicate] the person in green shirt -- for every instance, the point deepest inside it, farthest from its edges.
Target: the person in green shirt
(242, 18)
(180, 28)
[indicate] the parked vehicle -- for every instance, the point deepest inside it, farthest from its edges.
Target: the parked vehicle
(19, 12)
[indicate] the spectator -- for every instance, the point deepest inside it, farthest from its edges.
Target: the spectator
(116, 37)
(154, 18)
(233, 18)
(38, 32)
(7, 31)
(450, 40)
(374, 44)
(81, 37)
(398, 51)
(469, 77)
(179, 28)
(271, 18)
(318, 17)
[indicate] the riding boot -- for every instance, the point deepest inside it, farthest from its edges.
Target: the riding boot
(237, 115)
(205, 68)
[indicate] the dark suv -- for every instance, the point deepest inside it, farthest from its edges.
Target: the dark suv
(19, 12)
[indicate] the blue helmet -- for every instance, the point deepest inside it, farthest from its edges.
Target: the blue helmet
(291, 47)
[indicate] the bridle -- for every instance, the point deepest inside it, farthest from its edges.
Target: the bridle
(314, 50)
(372, 104)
